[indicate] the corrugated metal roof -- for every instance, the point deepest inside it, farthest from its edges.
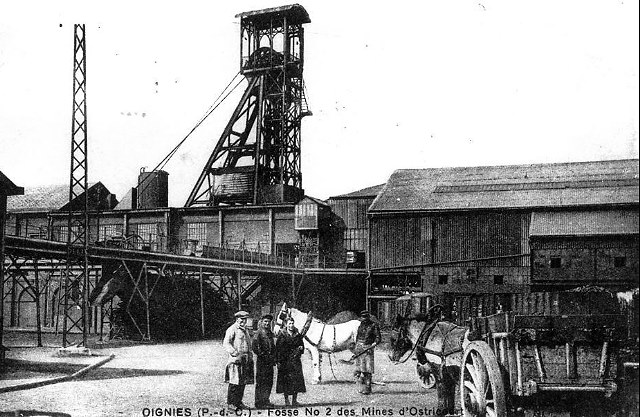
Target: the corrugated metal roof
(584, 223)
(41, 198)
(292, 11)
(511, 186)
(365, 192)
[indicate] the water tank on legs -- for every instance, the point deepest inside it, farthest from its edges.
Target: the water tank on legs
(153, 189)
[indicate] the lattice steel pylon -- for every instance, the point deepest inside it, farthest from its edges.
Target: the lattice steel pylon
(257, 158)
(76, 286)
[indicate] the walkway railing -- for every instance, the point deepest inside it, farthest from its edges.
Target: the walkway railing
(136, 242)
(246, 256)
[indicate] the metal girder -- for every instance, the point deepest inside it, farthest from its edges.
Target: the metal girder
(143, 290)
(36, 247)
(145, 269)
(235, 134)
(14, 278)
(76, 286)
(36, 276)
(235, 291)
(263, 133)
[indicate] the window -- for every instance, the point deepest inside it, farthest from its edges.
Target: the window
(109, 230)
(620, 261)
(443, 279)
(197, 235)
(40, 233)
(61, 233)
(355, 239)
(556, 262)
(197, 231)
(498, 279)
(149, 234)
(306, 216)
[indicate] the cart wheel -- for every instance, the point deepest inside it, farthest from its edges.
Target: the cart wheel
(481, 386)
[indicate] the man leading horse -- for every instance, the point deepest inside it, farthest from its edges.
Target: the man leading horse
(367, 338)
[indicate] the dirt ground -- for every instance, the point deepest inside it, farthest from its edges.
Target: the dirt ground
(185, 379)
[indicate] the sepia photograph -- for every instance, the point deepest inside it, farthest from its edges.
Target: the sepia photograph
(326, 208)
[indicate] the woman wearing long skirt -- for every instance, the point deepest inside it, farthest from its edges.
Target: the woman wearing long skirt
(289, 348)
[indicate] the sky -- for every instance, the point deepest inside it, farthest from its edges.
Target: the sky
(393, 85)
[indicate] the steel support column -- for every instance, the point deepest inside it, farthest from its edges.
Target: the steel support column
(201, 300)
(239, 286)
(37, 299)
(76, 287)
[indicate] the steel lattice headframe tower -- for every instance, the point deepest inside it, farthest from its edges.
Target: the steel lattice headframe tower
(76, 286)
(257, 158)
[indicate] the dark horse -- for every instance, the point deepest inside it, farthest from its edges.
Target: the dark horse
(438, 346)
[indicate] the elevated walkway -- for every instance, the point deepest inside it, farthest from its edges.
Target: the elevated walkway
(40, 248)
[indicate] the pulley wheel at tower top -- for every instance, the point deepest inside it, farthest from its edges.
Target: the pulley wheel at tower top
(264, 58)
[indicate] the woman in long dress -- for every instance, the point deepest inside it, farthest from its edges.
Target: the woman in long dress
(289, 348)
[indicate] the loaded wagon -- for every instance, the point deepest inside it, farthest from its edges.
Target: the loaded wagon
(548, 346)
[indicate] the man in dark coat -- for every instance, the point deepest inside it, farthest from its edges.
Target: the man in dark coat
(264, 347)
(368, 337)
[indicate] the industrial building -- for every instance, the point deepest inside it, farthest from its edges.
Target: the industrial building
(468, 230)
(250, 233)
(505, 229)
(246, 231)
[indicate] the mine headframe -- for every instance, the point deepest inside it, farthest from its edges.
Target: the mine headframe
(257, 158)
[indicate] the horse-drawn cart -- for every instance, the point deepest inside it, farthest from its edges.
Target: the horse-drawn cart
(550, 345)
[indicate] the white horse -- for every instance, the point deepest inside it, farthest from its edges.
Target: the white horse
(319, 337)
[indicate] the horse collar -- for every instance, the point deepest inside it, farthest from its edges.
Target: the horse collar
(426, 332)
(315, 344)
(424, 336)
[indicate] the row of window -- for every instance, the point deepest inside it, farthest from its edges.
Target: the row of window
(618, 262)
(151, 233)
(444, 279)
(147, 231)
(556, 262)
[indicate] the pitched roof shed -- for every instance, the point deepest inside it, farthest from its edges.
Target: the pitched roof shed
(571, 184)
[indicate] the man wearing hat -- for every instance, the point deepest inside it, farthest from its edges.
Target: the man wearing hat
(239, 369)
(367, 339)
(264, 348)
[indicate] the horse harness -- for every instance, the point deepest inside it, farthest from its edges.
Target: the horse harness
(424, 336)
(426, 329)
(316, 344)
